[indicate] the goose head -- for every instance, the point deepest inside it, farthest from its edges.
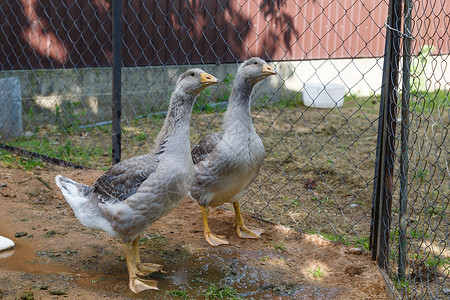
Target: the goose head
(255, 69)
(194, 81)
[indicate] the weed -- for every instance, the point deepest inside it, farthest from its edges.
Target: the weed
(402, 284)
(98, 280)
(227, 292)
(280, 246)
(293, 202)
(264, 258)
(420, 174)
(321, 200)
(141, 137)
(154, 240)
(332, 237)
(178, 294)
(363, 243)
(317, 272)
(27, 295)
(11, 160)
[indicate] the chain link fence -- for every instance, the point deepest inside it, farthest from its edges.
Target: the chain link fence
(411, 196)
(321, 172)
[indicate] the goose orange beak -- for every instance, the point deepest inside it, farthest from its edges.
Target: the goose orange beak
(208, 79)
(268, 70)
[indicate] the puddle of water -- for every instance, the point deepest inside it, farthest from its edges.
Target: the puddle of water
(191, 271)
(6, 253)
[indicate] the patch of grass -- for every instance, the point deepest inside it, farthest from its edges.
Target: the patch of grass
(402, 285)
(317, 272)
(152, 239)
(292, 202)
(28, 295)
(69, 151)
(279, 246)
(140, 137)
(178, 294)
(292, 101)
(363, 243)
(214, 292)
(11, 160)
(68, 118)
(334, 237)
(205, 104)
(420, 174)
(264, 258)
(322, 200)
(429, 102)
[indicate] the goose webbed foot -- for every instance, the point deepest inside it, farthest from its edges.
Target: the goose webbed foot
(241, 230)
(138, 285)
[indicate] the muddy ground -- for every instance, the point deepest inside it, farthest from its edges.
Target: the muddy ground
(56, 257)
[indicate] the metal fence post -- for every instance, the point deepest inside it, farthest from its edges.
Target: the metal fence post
(404, 160)
(116, 81)
(385, 161)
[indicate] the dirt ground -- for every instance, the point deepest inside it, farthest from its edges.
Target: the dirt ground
(55, 256)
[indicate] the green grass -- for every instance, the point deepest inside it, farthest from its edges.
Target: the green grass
(87, 155)
(429, 102)
(321, 200)
(280, 246)
(227, 292)
(178, 294)
(11, 160)
(402, 285)
(317, 272)
(363, 243)
(420, 174)
(332, 237)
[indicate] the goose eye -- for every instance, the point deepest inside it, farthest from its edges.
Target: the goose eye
(192, 74)
(255, 63)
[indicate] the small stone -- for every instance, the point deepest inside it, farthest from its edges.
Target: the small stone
(20, 234)
(442, 272)
(355, 251)
(5, 243)
(354, 205)
(28, 134)
(58, 292)
(158, 275)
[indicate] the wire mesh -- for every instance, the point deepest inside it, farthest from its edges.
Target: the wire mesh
(318, 174)
(417, 257)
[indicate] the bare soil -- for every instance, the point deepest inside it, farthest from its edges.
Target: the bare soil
(57, 257)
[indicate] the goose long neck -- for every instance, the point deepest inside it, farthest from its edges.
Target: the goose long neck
(176, 124)
(238, 110)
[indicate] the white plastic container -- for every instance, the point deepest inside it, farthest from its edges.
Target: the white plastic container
(323, 96)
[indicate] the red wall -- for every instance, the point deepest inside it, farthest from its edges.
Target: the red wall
(77, 33)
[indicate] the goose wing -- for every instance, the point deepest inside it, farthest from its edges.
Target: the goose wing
(206, 146)
(123, 179)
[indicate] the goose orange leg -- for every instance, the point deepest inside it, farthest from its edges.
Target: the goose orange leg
(136, 284)
(143, 269)
(213, 240)
(242, 231)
